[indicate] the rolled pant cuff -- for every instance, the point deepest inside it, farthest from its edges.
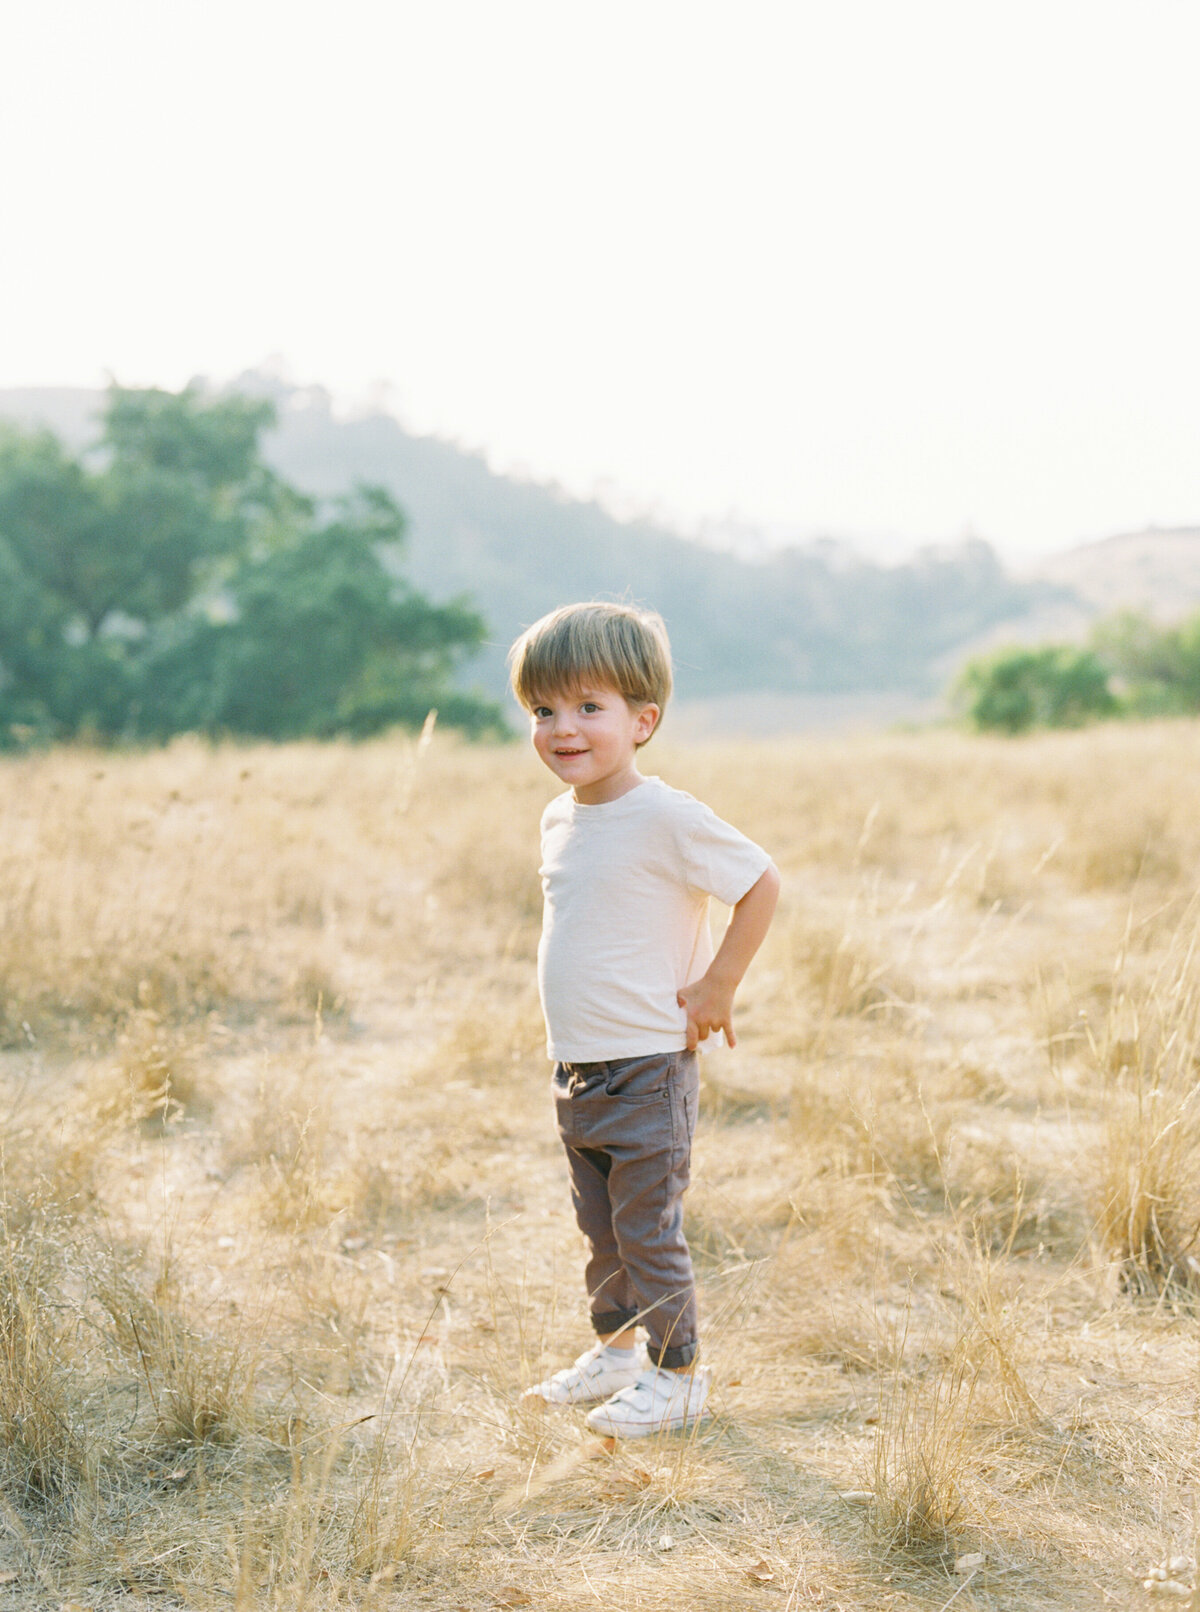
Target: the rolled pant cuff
(613, 1321)
(675, 1357)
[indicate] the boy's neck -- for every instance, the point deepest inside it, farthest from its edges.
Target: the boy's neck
(608, 789)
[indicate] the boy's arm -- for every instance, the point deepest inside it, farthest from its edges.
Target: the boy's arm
(709, 1000)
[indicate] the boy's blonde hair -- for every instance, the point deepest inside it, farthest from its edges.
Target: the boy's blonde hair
(613, 645)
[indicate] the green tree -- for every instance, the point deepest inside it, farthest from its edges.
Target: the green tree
(56, 675)
(169, 579)
(319, 638)
(1159, 667)
(1051, 686)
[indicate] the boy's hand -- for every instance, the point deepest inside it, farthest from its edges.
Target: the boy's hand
(708, 1001)
(709, 1007)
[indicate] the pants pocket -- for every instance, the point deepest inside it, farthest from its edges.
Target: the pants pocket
(639, 1080)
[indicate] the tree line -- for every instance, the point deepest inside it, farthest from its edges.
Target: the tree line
(1131, 666)
(168, 580)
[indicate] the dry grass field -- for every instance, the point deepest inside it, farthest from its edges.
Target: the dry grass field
(286, 1232)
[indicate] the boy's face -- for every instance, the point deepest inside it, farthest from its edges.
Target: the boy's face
(588, 737)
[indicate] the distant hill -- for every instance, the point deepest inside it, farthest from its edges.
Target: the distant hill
(801, 622)
(69, 411)
(1156, 570)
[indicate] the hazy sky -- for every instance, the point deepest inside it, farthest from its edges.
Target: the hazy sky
(856, 266)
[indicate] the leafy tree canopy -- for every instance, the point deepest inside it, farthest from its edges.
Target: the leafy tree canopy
(1157, 667)
(1050, 686)
(1133, 666)
(169, 579)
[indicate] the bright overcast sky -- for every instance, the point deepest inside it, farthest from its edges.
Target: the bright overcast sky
(898, 270)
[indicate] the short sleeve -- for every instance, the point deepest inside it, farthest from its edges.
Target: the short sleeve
(717, 857)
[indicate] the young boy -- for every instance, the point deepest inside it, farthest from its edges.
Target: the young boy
(630, 988)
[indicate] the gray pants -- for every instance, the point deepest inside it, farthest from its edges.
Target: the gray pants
(627, 1126)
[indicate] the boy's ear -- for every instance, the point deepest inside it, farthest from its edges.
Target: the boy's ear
(648, 718)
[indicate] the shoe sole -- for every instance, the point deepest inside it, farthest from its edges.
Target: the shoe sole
(531, 1396)
(669, 1424)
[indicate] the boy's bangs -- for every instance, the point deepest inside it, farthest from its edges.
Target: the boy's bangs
(567, 680)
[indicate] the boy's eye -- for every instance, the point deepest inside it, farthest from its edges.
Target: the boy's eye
(541, 712)
(589, 706)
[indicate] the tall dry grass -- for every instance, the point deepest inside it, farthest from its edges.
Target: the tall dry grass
(284, 1231)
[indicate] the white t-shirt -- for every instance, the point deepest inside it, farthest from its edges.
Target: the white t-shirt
(625, 921)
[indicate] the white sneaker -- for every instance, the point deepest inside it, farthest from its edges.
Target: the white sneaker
(657, 1402)
(596, 1375)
